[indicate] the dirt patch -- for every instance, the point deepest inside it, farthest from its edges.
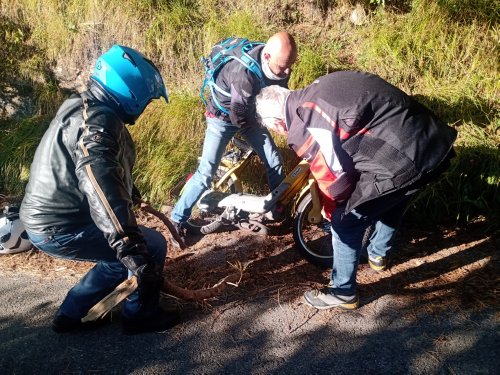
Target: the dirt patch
(442, 268)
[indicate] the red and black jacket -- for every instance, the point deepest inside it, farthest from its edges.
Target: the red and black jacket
(365, 138)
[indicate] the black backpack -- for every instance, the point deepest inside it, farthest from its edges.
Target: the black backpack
(227, 50)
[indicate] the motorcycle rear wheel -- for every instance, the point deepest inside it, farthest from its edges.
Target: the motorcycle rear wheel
(314, 241)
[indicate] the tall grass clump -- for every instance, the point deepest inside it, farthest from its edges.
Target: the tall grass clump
(175, 37)
(309, 66)
(467, 10)
(428, 53)
(74, 33)
(470, 189)
(451, 66)
(169, 140)
(18, 142)
(26, 85)
(240, 23)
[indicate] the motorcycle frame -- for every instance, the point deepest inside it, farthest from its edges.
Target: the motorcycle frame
(299, 182)
(232, 171)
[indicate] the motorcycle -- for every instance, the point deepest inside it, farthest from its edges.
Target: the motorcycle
(297, 197)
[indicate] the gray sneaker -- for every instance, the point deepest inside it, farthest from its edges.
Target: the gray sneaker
(377, 263)
(325, 299)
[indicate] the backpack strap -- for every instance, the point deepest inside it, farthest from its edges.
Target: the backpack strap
(225, 55)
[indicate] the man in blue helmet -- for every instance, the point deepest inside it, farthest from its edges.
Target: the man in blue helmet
(78, 201)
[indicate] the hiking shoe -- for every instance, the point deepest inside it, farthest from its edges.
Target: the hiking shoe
(64, 324)
(182, 231)
(377, 263)
(325, 299)
(157, 322)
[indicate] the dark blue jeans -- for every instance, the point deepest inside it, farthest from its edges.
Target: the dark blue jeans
(348, 230)
(89, 244)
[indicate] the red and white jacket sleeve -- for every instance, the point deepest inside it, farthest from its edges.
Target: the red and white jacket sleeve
(334, 183)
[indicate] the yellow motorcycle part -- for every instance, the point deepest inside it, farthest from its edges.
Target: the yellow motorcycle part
(231, 172)
(314, 216)
(296, 179)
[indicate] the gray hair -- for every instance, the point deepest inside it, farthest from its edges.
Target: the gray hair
(270, 104)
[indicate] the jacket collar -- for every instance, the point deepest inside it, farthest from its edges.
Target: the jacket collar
(96, 93)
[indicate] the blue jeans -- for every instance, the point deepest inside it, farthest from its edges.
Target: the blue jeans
(217, 136)
(89, 244)
(348, 229)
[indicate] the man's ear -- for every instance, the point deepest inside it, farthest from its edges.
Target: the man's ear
(280, 127)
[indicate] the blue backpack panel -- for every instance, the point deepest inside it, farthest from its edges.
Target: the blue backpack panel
(223, 52)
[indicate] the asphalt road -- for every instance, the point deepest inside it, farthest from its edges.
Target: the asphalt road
(263, 335)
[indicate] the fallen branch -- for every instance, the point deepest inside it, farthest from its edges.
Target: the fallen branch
(127, 287)
(105, 305)
(147, 208)
(201, 294)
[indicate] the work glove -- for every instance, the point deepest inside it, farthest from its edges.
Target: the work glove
(149, 276)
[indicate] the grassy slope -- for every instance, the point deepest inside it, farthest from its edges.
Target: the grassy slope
(445, 55)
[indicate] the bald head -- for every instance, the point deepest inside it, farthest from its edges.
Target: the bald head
(280, 52)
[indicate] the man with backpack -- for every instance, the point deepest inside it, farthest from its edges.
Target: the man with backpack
(78, 201)
(236, 71)
(370, 147)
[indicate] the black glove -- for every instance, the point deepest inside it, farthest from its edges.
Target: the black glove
(11, 212)
(149, 276)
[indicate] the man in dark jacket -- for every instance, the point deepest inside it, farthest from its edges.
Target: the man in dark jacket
(78, 201)
(230, 114)
(370, 147)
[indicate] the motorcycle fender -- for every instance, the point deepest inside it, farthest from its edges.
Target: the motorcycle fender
(314, 215)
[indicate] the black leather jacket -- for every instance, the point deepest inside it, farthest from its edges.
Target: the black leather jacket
(82, 173)
(244, 86)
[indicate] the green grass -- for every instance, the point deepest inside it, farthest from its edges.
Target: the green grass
(470, 188)
(168, 140)
(452, 67)
(18, 142)
(444, 53)
(310, 65)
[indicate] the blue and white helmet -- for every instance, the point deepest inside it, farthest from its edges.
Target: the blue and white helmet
(131, 78)
(13, 236)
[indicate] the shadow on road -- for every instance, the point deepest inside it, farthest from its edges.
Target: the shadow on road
(433, 311)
